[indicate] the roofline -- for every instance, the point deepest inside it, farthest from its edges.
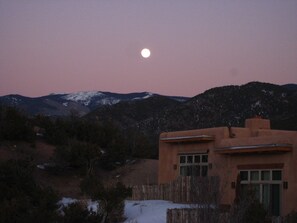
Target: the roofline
(197, 138)
(260, 148)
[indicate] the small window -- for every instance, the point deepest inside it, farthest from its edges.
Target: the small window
(244, 175)
(254, 175)
(265, 175)
(182, 159)
(197, 159)
(204, 158)
(193, 165)
(276, 175)
(189, 159)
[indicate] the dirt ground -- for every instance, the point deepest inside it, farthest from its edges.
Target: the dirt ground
(138, 172)
(135, 172)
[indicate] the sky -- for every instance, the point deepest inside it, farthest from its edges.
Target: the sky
(56, 46)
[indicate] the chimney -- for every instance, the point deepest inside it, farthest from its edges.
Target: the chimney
(257, 123)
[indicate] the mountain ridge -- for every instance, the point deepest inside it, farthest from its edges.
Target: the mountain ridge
(79, 103)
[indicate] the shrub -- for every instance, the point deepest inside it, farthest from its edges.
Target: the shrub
(79, 213)
(22, 200)
(111, 199)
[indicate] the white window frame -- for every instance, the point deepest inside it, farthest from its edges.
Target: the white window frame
(263, 182)
(200, 163)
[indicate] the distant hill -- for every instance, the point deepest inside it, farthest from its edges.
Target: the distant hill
(292, 87)
(221, 106)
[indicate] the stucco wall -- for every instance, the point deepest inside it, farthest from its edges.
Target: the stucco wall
(226, 165)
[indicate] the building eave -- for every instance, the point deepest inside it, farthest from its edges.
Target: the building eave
(197, 138)
(261, 148)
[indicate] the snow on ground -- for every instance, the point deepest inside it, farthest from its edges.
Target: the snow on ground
(92, 205)
(149, 211)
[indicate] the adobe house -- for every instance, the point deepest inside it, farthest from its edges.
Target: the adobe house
(264, 159)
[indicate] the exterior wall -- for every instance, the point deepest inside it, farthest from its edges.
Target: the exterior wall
(227, 166)
(168, 152)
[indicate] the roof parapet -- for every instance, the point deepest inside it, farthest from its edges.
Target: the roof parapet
(197, 138)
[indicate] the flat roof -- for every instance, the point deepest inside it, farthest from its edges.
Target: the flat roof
(261, 148)
(197, 138)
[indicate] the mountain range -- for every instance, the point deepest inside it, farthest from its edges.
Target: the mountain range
(153, 113)
(79, 103)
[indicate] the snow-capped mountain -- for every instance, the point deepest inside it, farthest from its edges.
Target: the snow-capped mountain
(79, 103)
(98, 98)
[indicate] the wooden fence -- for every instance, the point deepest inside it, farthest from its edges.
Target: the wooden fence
(182, 190)
(182, 215)
(196, 215)
(195, 190)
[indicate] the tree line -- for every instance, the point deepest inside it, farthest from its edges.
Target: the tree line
(70, 132)
(81, 145)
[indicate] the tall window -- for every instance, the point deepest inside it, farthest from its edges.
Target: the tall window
(266, 185)
(193, 165)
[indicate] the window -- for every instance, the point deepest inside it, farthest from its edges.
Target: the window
(266, 185)
(193, 165)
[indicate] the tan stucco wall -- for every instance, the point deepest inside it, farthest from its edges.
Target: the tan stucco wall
(226, 165)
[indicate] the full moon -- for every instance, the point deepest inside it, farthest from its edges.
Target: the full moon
(145, 53)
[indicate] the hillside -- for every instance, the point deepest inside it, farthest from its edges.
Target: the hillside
(231, 105)
(67, 184)
(221, 106)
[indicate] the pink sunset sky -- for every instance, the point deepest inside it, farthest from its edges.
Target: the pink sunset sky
(59, 46)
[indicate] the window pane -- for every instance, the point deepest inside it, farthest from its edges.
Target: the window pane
(276, 175)
(266, 195)
(183, 171)
(197, 159)
(275, 199)
(204, 171)
(265, 175)
(182, 159)
(189, 171)
(189, 159)
(244, 175)
(254, 175)
(196, 170)
(255, 189)
(204, 158)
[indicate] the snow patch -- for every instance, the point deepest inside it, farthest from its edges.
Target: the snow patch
(149, 211)
(148, 95)
(109, 101)
(66, 201)
(268, 92)
(257, 104)
(83, 97)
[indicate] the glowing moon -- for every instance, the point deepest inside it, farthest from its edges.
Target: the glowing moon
(145, 53)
